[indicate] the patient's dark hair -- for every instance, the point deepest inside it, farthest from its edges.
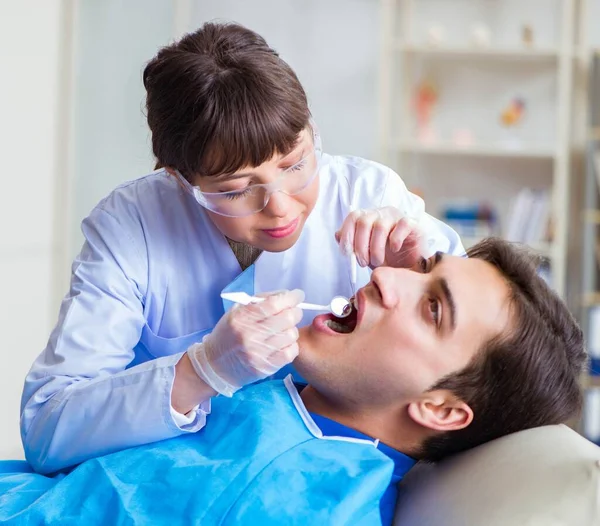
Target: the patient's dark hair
(221, 99)
(525, 378)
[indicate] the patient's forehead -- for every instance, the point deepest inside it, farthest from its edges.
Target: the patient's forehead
(481, 292)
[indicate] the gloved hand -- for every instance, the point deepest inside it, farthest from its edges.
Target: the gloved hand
(249, 343)
(384, 237)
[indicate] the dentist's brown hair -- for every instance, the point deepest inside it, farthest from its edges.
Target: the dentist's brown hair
(219, 100)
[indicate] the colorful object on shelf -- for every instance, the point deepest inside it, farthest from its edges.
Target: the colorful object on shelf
(593, 339)
(481, 36)
(513, 113)
(426, 97)
(527, 35)
(470, 218)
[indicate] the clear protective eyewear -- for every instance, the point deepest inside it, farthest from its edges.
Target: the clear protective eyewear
(254, 198)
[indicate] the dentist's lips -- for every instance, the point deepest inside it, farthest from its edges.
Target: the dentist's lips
(283, 231)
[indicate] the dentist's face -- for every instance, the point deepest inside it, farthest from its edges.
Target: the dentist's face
(279, 225)
(413, 327)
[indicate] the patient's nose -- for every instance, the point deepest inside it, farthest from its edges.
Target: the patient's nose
(397, 284)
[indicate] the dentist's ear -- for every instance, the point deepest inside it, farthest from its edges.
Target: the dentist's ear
(441, 411)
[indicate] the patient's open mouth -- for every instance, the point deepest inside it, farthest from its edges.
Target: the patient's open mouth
(344, 325)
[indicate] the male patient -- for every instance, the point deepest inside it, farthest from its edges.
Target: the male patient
(434, 361)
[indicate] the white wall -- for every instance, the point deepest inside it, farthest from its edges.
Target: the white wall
(113, 41)
(30, 33)
(333, 46)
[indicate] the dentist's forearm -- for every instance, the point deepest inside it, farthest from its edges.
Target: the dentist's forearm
(66, 421)
(189, 390)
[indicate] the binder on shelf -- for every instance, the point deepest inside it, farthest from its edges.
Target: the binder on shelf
(591, 415)
(593, 339)
(529, 217)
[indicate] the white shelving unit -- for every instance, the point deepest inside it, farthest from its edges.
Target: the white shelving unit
(549, 54)
(475, 151)
(590, 299)
(474, 82)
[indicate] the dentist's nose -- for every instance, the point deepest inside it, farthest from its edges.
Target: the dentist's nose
(278, 204)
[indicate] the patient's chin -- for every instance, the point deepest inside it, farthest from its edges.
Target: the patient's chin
(308, 361)
(303, 359)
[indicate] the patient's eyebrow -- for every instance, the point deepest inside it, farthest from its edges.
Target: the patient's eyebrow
(449, 301)
(448, 296)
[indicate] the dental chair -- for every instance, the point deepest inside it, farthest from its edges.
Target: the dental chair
(547, 476)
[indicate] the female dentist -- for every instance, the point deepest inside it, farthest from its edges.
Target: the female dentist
(245, 201)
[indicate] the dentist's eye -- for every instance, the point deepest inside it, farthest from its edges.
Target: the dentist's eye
(424, 265)
(297, 166)
(232, 196)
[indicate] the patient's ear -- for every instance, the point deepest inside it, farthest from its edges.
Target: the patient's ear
(440, 410)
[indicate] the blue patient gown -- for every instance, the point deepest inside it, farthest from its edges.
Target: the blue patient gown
(261, 459)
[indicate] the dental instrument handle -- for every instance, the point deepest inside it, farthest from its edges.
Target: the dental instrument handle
(353, 271)
(245, 299)
(349, 250)
(313, 306)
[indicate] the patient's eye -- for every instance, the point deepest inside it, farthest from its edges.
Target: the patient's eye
(434, 309)
(425, 265)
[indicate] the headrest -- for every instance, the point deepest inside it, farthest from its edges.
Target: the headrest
(547, 476)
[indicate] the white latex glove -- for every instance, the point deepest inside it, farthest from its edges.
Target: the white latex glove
(249, 343)
(384, 237)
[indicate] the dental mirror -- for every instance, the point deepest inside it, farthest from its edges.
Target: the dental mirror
(338, 306)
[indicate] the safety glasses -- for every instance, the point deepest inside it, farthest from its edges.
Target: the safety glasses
(254, 198)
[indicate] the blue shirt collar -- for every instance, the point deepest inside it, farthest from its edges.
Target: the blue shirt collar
(402, 463)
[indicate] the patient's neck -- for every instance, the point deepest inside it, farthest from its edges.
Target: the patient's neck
(393, 427)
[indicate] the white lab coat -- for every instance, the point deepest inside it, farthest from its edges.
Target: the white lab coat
(147, 285)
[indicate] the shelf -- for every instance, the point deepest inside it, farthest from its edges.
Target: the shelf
(542, 248)
(475, 151)
(539, 54)
(472, 85)
(591, 381)
(594, 133)
(591, 216)
(591, 299)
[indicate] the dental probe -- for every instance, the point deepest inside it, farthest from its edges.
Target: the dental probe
(350, 253)
(353, 271)
(338, 306)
